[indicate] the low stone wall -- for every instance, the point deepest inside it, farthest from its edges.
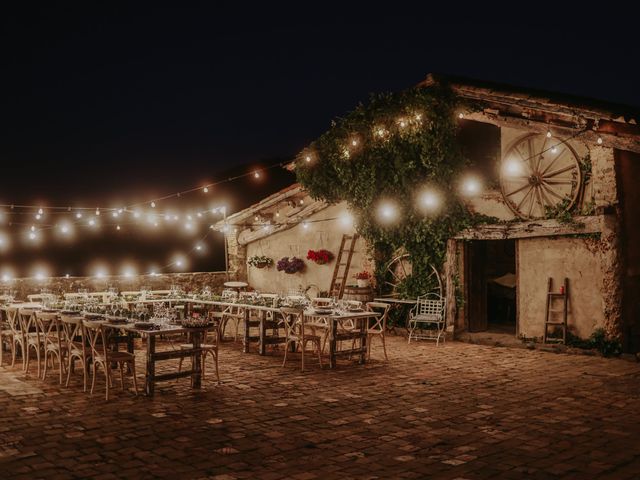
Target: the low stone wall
(191, 281)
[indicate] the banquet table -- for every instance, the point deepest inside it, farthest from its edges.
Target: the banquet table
(196, 337)
(336, 334)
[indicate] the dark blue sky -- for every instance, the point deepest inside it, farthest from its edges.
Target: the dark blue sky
(119, 103)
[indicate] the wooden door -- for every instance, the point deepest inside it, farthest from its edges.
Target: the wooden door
(476, 285)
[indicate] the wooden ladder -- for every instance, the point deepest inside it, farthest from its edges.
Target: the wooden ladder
(339, 278)
(563, 295)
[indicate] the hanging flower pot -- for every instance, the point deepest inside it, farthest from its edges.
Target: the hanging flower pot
(290, 265)
(321, 257)
(260, 261)
(363, 279)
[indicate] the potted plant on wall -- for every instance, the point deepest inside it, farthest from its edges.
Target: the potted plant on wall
(290, 265)
(363, 278)
(260, 261)
(321, 257)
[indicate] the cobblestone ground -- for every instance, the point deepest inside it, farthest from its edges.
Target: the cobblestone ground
(456, 411)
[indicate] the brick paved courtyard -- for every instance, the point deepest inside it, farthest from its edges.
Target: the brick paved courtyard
(456, 411)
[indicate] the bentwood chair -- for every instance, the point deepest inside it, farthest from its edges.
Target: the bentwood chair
(53, 344)
(209, 347)
(31, 337)
(77, 349)
(6, 334)
(379, 327)
(232, 313)
(16, 337)
(103, 356)
(293, 322)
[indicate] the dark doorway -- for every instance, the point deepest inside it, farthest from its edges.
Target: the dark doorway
(491, 285)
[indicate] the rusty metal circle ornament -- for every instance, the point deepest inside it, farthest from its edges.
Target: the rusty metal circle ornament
(538, 173)
(400, 267)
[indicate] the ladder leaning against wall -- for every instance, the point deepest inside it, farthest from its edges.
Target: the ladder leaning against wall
(341, 270)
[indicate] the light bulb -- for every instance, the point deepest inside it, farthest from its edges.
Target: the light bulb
(308, 158)
(117, 227)
(305, 225)
(402, 124)
(78, 215)
(32, 236)
(40, 211)
(136, 214)
(461, 115)
(301, 201)
(548, 133)
(38, 217)
(97, 211)
(354, 143)
(512, 167)
(256, 174)
(120, 210)
(554, 149)
(205, 190)
(64, 229)
(92, 222)
(599, 140)
(198, 247)
(115, 214)
(153, 204)
(179, 263)
(471, 186)
(33, 228)
(66, 275)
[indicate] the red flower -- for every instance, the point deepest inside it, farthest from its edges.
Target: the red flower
(320, 256)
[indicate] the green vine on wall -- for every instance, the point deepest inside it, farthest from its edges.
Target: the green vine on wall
(390, 149)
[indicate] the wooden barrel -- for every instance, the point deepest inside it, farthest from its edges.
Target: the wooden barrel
(362, 294)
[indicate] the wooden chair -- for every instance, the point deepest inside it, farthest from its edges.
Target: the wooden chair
(293, 322)
(232, 313)
(16, 336)
(31, 337)
(74, 337)
(102, 355)
(428, 316)
(379, 328)
(209, 346)
(52, 338)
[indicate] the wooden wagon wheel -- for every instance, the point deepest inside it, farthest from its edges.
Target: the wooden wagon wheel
(400, 267)
(537, 173)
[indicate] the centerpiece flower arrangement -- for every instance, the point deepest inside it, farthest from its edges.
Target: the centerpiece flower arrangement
(290, 265)
(363, 278)
(260, 261)
(320, 256)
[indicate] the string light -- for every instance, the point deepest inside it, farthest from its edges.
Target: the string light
(97, 212)
(117, 227)
(461, 115)
(308, 158)
(256, 174)
(40, 211)
(205, 190)
(153, 204)
(554, 149)
(32, 236)
(387, 211)
(471, 186)
(512, 167)
(78, 215)
(548, 133)
(429, 200)
(599, 140)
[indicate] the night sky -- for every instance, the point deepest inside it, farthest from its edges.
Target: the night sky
(111, 106)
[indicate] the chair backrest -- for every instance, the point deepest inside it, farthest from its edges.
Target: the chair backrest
(353, 304)
(292, 320)
(321, 302)
(13, 320)
(271, 299)
(49, 327)
(27, 320)
(380, 324)
(73, 333)
(430, 304)
(229, 295)
(96, 338)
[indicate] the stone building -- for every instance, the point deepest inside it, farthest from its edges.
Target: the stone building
(559, 174)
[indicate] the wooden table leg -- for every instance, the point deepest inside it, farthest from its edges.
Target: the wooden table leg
(151, 365)
(364, 323)
(246, 331)
(263, 333)
(196, 379)
(333, 343)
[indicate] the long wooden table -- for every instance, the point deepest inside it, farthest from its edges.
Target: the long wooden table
(195, 337)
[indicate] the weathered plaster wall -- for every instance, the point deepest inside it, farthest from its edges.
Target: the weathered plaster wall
(190, 282)
(296, 242)
(578, 259)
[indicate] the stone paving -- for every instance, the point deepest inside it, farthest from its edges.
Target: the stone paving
(457, 411)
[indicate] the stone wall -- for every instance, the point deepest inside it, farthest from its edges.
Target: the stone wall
(192, 281)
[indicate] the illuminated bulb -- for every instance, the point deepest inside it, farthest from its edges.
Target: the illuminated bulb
(92, 222)
(199, 214)
(471, 186)
(67, 275)
(97, 211)
(115, 214)
(387, 211)
(40, 211)
(198, 247)
(354, 143)
(188, 226)
(554, 149)
(301, 202)
(308, 158)
(100, 275)
(305, 225)
(175, 217)
(39, 276)
(346, 219)
(418, 116)
(278, 213)
(33, 229)
(128, 274)
(189, 217)
(403, 124)
(205, 190)
(78, 215)
(548, 133)
(136, 214)
(38, 217)
(512, 167)
(256, 219)
(32, 236)
(117, 227)
(225, 228)
(5, 278)
(120, 210)
(153, 204)
(153, 273)
(461, 115)
(64, 229)
(429, 200)
(256, 174)
(599, 140)
(179, 263)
